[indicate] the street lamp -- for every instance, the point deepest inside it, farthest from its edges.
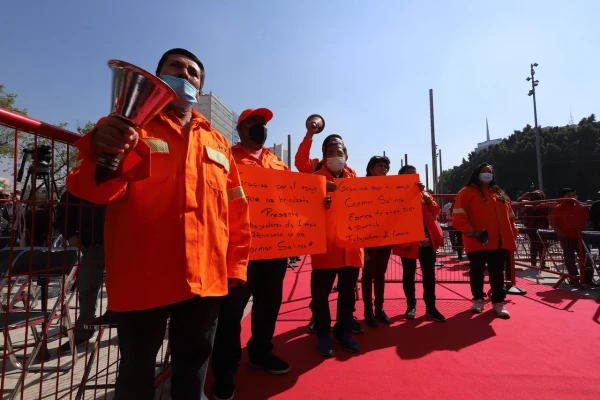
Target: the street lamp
(534, 83)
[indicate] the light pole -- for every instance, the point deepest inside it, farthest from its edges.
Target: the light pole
(534, 83)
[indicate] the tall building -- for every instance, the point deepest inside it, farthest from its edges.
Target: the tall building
(281, 153)
(236, 136)
(488, 142)
(220, 116)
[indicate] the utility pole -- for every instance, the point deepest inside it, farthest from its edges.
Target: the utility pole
(534, 83)
(426, 177)
(440, 191)
(290, 152)
(433, 146)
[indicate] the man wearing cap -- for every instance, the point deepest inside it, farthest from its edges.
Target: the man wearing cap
(177, 232)
(265, 279)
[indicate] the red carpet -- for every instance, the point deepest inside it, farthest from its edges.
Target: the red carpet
(547, 350)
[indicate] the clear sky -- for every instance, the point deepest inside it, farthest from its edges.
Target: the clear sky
(366, 66)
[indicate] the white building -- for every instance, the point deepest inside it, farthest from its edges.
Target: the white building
(488, 142)
(220, 116)
(281, 153)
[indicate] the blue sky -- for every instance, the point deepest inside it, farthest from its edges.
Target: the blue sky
(365, 66)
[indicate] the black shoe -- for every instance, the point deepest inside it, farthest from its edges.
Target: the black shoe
(346, 340)
(223, 391)
(370, 319)
(310, 328)
(411, 313)
(435, 314)
(324, 346)
(66, 347)
(356, 327)
(271, 363)
(382, 316)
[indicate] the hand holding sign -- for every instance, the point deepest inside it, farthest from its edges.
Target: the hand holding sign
(378, 211)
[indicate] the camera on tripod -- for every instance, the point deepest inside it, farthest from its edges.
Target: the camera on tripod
(43, 161)
(38, 170)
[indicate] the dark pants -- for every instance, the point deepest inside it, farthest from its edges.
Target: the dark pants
(495, 260)
(570, 248)
(409, 267)
(456, 240)
(374, 275)
(90, 274)
(141, 333)
(265, 285)
(321, 283)
(536, 246)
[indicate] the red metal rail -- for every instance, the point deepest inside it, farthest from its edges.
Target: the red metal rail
(28, 124)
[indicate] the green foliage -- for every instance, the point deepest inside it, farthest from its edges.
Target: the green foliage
(570, 158)
(64, 155)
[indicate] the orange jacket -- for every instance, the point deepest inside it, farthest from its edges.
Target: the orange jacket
(336, 256)
(411, 250)
(569, 217)
(474, 211)
(177, 222)
(305, 164)
(267, 160)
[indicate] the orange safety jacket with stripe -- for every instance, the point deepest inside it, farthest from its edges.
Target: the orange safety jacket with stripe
(305, 164)
(475, 210)
(177, 221)
(336, 256)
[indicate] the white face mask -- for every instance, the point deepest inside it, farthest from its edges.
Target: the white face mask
(336, 164)
(486, 177)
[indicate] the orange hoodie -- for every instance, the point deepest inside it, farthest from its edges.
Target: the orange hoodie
(177, 222)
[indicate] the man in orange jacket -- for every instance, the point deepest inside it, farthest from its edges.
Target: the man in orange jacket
(343, 263)
(305, 164)
(265, 279)
(177, 232)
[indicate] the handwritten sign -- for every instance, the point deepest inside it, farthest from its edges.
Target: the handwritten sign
(378, 211)
(287, 215)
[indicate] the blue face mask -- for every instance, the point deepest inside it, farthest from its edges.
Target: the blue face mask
(186, 92)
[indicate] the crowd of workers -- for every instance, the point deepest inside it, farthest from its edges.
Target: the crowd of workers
(187, 259)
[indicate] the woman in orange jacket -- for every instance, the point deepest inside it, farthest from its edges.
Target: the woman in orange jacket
(377, 261)
(484, 215)
(337, 262)
(425, 252)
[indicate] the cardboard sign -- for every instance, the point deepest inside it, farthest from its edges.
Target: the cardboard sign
(378, 211)
(287, 215)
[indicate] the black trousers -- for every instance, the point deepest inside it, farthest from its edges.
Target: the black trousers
(456, 240)
(321, 283)
(536, 247)
(495, 260)
(374, 275)
(191, 332)
(427, 259)
(265, 285)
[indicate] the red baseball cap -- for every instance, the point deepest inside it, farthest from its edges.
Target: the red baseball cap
(251, 112)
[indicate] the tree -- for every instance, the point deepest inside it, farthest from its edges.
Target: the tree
(63, 154)
(570, 158)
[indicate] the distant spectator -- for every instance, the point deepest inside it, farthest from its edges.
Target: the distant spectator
(535, 217)
(568, 219)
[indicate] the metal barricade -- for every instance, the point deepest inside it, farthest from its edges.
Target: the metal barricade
(541, 249)
(452, 264)
(42, 278)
